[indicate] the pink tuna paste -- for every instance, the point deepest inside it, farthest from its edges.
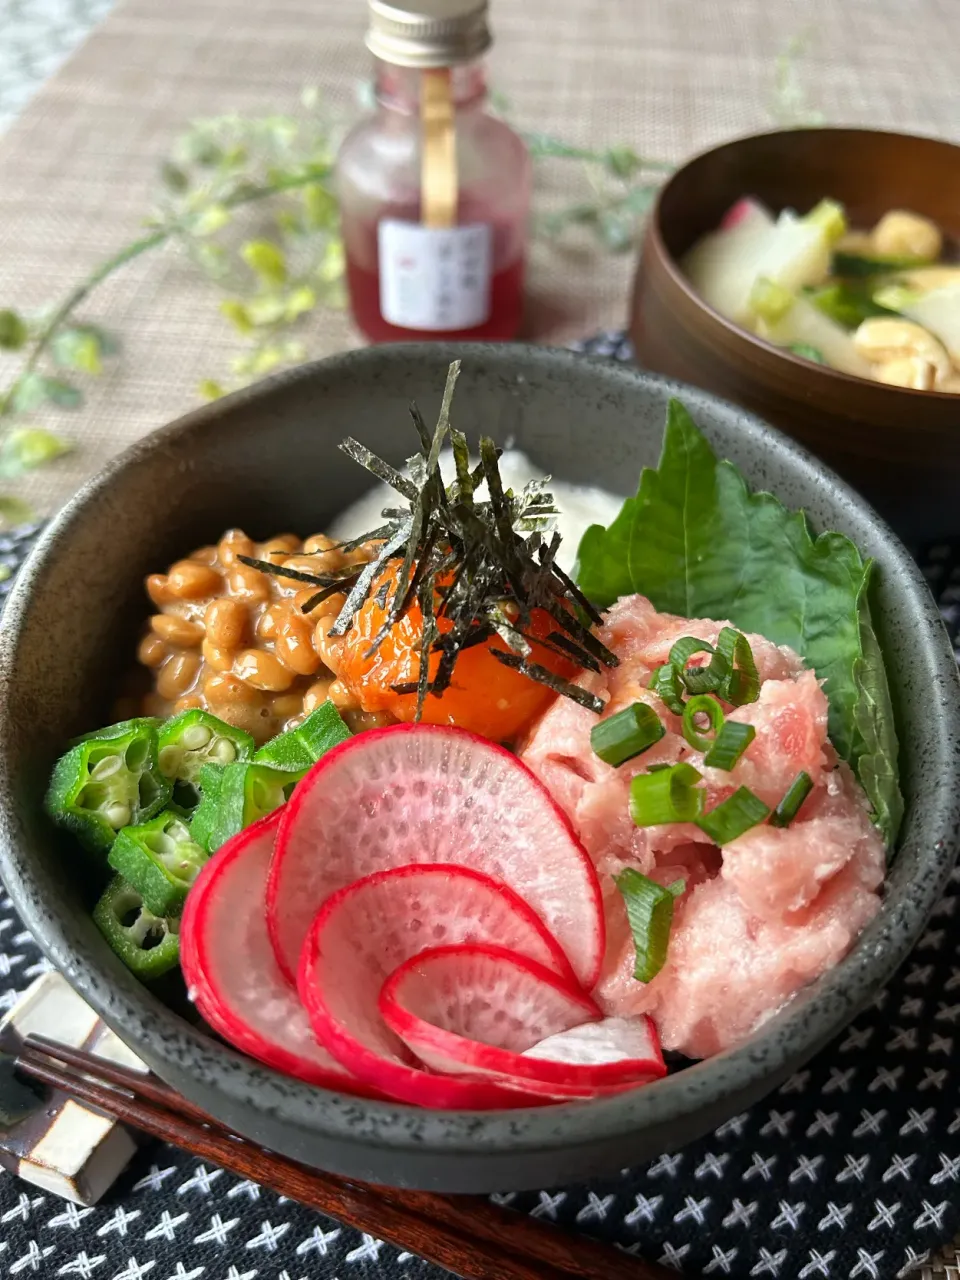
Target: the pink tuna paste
(771, 911)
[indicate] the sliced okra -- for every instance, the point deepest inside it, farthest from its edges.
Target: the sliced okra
(298, 749)
(148, 945)
(195, 739)
(160, 859)
(247, 793)
(108, 780)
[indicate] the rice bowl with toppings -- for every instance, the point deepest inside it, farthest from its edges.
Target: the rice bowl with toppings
(493, 835)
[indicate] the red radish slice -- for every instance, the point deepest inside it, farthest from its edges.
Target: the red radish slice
(415, 793)
(363, 932)
(482, 1009)
(613, 1050)
(230, 969)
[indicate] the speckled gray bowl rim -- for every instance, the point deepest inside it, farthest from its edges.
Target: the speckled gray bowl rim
(794, 1033)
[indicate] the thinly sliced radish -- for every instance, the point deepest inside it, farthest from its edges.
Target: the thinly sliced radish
(611, 1050)
(230, 969)
(416, 793)
(483, 1009)
(363, 932)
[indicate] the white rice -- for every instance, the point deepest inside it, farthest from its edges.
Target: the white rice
(579, 505)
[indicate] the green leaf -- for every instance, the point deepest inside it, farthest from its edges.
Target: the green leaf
(173, 177)
(196, 147)
(333, 262)
(582, 215)
(617, 230)
(24, 448)
(109, 342)
(697, 542)
(268, 308)
(848, 304)
(320, 207)
(875, 743)
(77, 348)
(266, 259)
(210, 220)
(14, 511)
(236, 312)
(212, 258)
(543, 145)
(211, 390)
(622, 162)
(33, 389)
(807, 352)
(299, 301)
(13, 330)
(263, 360)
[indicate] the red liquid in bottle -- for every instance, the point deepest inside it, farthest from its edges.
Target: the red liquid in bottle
(429, 281)
(506, 305)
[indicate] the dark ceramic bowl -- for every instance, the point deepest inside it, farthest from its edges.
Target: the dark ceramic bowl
(899, 448)
(266, 459)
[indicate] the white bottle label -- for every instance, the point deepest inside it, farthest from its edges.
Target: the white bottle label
(434, 278)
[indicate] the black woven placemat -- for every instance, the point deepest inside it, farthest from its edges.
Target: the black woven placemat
(851, 1169)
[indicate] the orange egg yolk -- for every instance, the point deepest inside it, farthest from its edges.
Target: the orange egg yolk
(483, 696)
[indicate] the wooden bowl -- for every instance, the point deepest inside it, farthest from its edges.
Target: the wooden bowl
(900, 448)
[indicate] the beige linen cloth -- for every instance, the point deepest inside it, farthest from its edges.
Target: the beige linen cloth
(669, 77)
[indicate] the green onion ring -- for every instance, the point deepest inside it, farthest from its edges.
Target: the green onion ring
(702, 704)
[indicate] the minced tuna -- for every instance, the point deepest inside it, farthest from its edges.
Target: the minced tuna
(771, 911)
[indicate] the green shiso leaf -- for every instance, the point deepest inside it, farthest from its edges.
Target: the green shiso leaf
(697, 542)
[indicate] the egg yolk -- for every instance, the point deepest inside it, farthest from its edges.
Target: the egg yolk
(484, 696)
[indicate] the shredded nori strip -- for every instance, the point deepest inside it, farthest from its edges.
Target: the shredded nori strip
(474, 569)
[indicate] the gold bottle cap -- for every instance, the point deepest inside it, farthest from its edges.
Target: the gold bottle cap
(428, 33)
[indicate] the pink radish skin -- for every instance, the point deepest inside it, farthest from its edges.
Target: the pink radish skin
(363, 932)
(232, 974)
(421, 794)
(746, 212)
(481, 1009)
(612, 1050)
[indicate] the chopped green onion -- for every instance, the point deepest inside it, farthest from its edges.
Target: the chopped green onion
(650, 914)
(677, 888)
(626, 734)
(830, 218)
(742, 683)
(896, 297)
(667, 685)
(699, 679)
(658, 768)
(806, 352)
(733, 816)
(793, 798)
(729, 745)
(769, 300)
(684, 649)
(666, 795)
(702, 705)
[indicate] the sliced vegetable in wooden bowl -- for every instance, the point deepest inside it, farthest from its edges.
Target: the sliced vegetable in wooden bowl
(693, 317)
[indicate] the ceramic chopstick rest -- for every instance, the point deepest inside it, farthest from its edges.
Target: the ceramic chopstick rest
(67, 1149)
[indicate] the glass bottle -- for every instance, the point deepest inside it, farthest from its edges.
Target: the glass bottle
(434, 192)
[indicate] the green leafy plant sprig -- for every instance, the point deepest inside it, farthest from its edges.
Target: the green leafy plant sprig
(250, 202)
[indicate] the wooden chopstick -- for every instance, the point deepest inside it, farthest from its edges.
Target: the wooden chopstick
(467, 1235)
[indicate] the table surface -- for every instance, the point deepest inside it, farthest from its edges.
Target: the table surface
(853, 1168)
(670, 77)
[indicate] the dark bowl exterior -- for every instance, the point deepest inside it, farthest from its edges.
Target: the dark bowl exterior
(899, 448)
(266, 459)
